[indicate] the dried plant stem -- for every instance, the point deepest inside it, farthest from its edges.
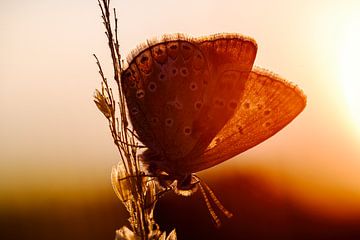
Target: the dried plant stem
(138, 192)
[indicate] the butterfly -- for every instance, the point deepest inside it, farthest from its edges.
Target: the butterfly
(196, 102)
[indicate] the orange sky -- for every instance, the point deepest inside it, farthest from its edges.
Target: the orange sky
(53, 137)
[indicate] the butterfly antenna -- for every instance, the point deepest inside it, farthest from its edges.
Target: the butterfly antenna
(210, 208)
(217, 202)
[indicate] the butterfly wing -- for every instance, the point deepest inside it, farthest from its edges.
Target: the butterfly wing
(230, 60)
(269, 103)
(171, 88)
(164, 87)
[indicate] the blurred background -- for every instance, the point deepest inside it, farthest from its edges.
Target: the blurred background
(56, 151)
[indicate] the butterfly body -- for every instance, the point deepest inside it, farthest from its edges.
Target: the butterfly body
(196, 102)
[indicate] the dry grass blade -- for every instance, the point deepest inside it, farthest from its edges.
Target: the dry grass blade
(138, 192)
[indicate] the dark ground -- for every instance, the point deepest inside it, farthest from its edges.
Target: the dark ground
(258, 214)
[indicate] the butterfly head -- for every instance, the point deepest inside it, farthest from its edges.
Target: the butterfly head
(184, 184)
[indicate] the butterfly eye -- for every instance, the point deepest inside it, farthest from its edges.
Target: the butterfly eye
(169, 122)
(152, 87)
(187, 131)
(193, 86)
(140, 93)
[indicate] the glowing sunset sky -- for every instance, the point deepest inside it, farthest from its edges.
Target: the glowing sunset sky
(54, 138)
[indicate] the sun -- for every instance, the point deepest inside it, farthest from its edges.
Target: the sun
(349, 60)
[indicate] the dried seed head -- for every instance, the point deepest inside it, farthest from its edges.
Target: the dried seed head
(102, 104)
(121, 183)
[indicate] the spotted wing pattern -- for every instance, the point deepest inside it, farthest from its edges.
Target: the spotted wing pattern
(269, 103)
(181, 92)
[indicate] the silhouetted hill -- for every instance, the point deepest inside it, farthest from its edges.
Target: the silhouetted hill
(259, 213)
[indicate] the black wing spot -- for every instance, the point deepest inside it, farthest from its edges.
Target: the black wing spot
(267, 124)
(174, 71)
(140, 93)
(162, 77)
(246, 105)
(144, 59)
(169, 122)
(193, 86)
(184, 71)
(198, 105)
(233, 105)
(134, 111)
(267, 112)
(187, 131)
(219, 102)
(154, 120)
